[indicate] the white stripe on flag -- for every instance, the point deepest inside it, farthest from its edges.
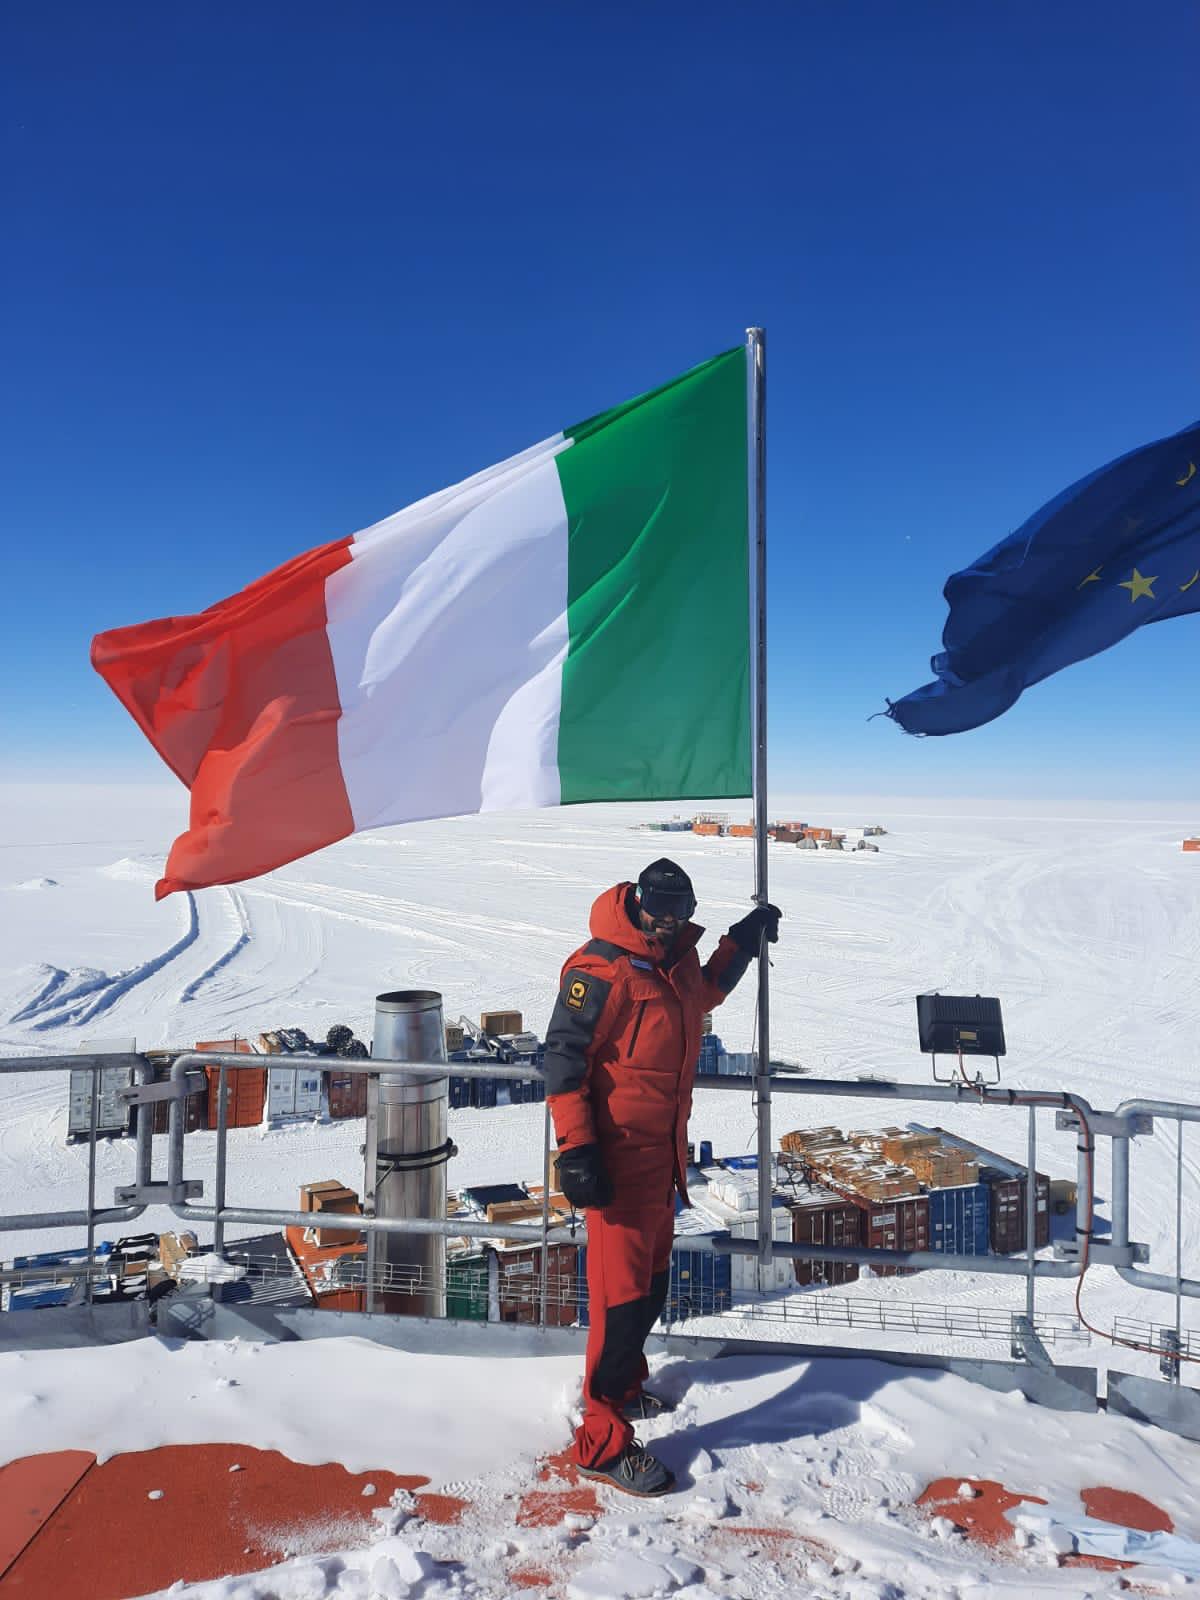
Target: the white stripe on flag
(448, 631)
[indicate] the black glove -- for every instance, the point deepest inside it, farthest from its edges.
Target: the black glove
(582, 1177)
(747, 934)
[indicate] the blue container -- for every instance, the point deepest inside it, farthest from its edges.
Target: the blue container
(700, 1285)
(706, 1155)
(33, 1299)
(738, 1163)
(58, 1258)
(958, 1220)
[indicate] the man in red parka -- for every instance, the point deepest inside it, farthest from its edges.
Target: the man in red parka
(621, 1053)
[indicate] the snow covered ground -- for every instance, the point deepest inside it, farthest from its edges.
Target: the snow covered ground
(1085, 926)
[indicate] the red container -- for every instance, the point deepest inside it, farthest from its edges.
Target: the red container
(822, 1217)
(899, 1224)
(519, 1280)
(347, 1094)
(195, 1109)
(245, 1087)
(1006, 1210)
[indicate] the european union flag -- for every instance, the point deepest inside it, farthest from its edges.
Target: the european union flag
(1118, 549)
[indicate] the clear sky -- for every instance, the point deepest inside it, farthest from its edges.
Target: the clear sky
(272, 271)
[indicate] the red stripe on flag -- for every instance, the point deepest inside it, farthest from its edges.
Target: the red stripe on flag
(241, 702)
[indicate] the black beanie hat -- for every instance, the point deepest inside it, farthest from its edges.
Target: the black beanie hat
(666, 877)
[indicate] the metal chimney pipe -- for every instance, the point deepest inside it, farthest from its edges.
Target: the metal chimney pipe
(407, 1151)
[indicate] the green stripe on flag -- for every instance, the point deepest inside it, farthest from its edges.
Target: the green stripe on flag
(656, 684)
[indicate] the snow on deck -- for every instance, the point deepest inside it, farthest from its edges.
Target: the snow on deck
(796, 1477)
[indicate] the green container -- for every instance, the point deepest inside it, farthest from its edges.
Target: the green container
(467, 1287)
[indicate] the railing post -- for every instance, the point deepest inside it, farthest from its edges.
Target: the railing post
(543, 1316)
(1178, 1246)
(1031, 1215)
(91, 1193)
(219, 1181)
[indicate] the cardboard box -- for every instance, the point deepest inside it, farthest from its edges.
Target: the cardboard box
(495, 1023)
(310, 1192)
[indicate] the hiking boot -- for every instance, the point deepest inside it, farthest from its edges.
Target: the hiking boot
(634, 1471)
(644, 1407)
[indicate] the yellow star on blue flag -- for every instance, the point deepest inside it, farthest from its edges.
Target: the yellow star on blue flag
(1116, 550)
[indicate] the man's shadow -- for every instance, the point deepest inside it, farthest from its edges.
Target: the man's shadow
(827, 1393)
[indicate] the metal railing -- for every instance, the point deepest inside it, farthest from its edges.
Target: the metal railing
(1133, 1119)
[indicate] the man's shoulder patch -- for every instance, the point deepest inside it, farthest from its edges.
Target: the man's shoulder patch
(576, 994)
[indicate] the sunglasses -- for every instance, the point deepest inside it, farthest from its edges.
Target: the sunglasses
(667, 903)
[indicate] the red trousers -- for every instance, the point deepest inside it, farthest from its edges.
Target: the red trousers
(628, 1271)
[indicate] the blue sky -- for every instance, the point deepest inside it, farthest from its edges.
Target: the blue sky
(271, 272)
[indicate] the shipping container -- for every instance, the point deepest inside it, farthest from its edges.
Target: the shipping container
(743, 1224)
(519, 1284)
(195, 1106)
(700, 1284)
(959, 1219)
(348, 1094)
(1005, 1180)
(1006, 1224)
(482, 1195)
(245, 1094)
(787, 836)
(1191, 844)
(741, 830)
(35, 1298)
(707, 829)
(818, 833)
(292, 1093)
(112, 1112)
(819, 1216)
(467, 1285)
(898, 1224)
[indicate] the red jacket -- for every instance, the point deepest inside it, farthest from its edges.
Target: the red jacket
(622, 1045)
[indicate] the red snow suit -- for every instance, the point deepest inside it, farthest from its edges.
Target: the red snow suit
(621, 1053)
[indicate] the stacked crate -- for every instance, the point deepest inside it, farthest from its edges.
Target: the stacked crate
(1005, 1182)
(895, 1214)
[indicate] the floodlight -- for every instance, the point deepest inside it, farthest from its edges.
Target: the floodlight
(960, 1025)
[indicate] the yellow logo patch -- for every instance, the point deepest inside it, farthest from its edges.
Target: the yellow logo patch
(577, 994)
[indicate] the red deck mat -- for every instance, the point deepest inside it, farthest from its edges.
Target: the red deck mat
(210, 1521)
(31, 1491)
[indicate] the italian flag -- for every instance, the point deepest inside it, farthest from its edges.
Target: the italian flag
(570, 625)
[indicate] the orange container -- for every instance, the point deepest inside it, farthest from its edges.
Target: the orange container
(1191, 844)
(712, 829)
(818, 833)
(245, 1091)
(741, 830)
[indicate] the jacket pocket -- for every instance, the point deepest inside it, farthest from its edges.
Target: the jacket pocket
(637, 1026)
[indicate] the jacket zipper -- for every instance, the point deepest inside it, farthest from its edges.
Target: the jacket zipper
(637, 1027)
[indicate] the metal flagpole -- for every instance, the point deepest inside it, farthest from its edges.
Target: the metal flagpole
(756, 440)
